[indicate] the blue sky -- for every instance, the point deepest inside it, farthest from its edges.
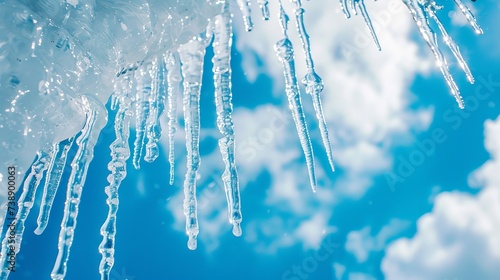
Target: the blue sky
(415, 194)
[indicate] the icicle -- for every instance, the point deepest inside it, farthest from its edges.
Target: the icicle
(430, 8)
(223, 101)
(96, 120)
(284, 51)
(113, 102)
(347, 5)
(157, 102)
(191, 56)
(469, 16)
(283, 20)
(142, 111)
(312, 81)
(52, 181)
(120, 152)
(345, 10)
(174, 88)
(246, 12)
(11, 243)
(421, 19)
(264, 8)
(360, 4)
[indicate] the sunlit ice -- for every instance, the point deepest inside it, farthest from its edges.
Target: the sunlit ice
(70, 65)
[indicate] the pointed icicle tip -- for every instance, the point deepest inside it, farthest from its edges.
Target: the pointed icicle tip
(192, 242)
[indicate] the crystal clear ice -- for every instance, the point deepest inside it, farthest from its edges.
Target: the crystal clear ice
(62, 61)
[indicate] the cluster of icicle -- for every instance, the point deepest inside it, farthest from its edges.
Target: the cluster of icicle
(143, 89)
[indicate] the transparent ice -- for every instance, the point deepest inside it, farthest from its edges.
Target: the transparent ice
(63, 60)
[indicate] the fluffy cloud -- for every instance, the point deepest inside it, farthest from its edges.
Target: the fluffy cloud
(459, 238)
(361, 243)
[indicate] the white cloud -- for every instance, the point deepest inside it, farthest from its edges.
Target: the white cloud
(361, 243)
(459, 238)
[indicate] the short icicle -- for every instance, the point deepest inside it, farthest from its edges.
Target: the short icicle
(284, 51)
(264, 9)
(247, 14)
(345, 8)
(52, 181)
(157, 102)
(174, 80)
(313, 82)
(192, 55)
(120, 152)
(420, 16)
(224, 107)
(469, 16)
(360, 4)
(430, 8)
(96, 120)
(142, 111)
(15, 232)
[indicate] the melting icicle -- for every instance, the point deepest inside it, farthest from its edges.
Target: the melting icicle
(191, 55)
(174, 88)
(430, 8)
(313, 82)
(142, 111)
(284, 51)
(223, 101)
(157, 101)
(360, 4)
(52, 181)
(264, 8)
(246, 12)
(120, 152)
(14, 235)
(469, 16)
(96, 120)
(113, 102)
(421, 19)
(353, 5)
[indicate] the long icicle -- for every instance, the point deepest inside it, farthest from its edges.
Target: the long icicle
(244, 6)
(157, 101)
(120, 152)
(142, 108)
(420, 16)
(52, 181)
(431, 7)
(284, 51)
(192, 55)
(11, 244)
(313, 82)
(469, 16)
(223, 101)
(174, 80)
(96, 120)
